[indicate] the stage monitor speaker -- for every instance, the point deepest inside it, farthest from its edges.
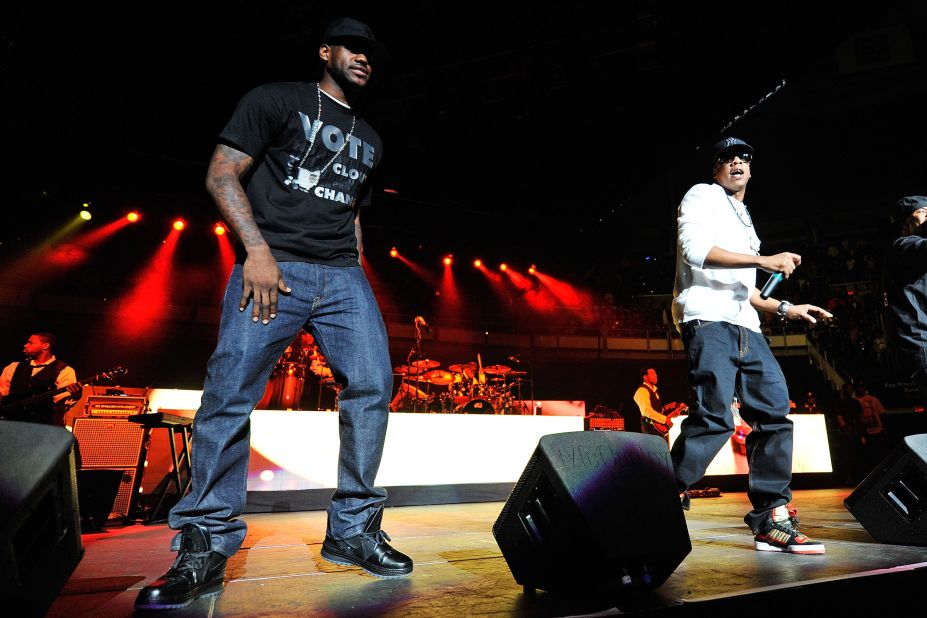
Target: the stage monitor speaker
(891, 503)
(594, 511)
(40, 543)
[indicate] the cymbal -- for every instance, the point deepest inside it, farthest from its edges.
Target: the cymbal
(512, 374)
(497, 379)
(425, 363)
(458, 368)
(439, 376)
(407, 370)
(497, 369)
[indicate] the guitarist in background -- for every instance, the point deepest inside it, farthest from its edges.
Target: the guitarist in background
(40, 372)
(655, 417)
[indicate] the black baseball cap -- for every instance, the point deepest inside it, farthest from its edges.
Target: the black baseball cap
(731, 145)
(347, 30)
(906, 205)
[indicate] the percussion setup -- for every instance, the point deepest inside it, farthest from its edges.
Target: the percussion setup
(300, 360)
(462, 388)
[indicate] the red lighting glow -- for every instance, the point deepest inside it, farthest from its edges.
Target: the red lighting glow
(394, 253)
(179, 224)
(532, 270)
(448, 260)
(477, 263)
(133, 217)
(219, 229)
(138, 312)
(503, 267)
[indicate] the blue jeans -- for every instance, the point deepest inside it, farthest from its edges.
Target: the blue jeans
(338, 308)
(724, 360)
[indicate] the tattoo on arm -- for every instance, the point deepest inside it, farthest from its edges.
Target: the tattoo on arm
(223, 181)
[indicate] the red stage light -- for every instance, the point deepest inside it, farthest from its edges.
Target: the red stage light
(448, 260)
(179, 224)
(477, 263)
(219, 229)
(393, 253)
(503, 267)
(133, 216)
(532, 270)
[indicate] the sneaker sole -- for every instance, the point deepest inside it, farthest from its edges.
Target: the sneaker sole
(211, 592)
(794, 549)
(341, 559)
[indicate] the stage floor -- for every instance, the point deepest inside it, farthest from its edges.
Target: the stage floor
(459, 569)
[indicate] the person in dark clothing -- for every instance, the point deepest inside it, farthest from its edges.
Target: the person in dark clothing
(290, 177)
(905, 283)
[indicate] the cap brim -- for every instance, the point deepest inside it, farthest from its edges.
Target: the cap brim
(376, 50)
(734, 148)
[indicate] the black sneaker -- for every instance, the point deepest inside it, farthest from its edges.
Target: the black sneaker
(197, 573)
(780, 533)
(369, 550)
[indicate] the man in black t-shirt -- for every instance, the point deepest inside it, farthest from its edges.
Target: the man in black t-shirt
(307, 156)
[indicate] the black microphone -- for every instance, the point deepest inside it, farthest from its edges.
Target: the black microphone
(771, 284)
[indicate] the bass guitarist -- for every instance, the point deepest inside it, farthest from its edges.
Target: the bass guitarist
(40, 372)
(656, 418)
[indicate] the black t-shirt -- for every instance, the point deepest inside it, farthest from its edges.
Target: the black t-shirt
(300, 221)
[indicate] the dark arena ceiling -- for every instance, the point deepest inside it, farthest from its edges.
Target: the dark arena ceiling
(557, 133)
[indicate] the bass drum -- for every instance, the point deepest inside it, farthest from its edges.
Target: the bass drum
(476, 406)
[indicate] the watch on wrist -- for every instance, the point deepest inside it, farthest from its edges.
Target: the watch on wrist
(783, 309)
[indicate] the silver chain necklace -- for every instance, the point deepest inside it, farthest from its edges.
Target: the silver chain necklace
(306, 178)
(740, 214)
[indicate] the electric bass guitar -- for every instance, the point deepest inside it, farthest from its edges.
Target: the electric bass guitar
(35, 409)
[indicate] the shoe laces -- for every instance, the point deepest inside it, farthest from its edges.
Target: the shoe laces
(380, 537)
(190, 562)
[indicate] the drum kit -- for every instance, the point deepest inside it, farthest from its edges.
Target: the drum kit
(302, 358)
(463, 388)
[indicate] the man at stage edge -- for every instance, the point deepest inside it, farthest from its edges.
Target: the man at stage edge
(307, 154)
(41, 373)
(715, 309)
(906, 290)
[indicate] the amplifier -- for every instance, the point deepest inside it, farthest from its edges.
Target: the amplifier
(600, 424)
(113, 444)
(115, 406)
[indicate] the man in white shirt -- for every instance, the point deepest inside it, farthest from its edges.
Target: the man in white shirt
(715, 309)
(41, 373)
(656, 418)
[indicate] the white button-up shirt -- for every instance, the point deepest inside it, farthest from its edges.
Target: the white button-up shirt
(708, 218)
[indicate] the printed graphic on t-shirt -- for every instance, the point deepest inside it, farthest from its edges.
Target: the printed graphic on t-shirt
(334, 169)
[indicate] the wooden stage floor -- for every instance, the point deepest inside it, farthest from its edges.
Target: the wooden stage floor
(459, 569)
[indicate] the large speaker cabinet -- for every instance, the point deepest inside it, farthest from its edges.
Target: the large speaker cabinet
(40, 542)
(891, 503)
(594, 510)
(114, 444)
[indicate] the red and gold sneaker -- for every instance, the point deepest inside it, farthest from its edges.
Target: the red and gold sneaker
(781, 533)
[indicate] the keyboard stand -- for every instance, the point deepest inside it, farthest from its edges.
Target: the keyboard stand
(175, 425)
